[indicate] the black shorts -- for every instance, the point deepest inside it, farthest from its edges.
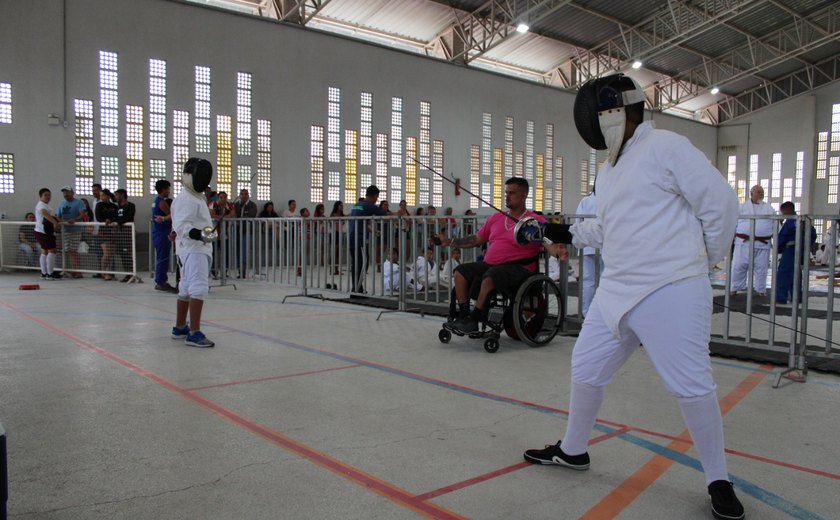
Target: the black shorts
(506, 277)
(47, 242)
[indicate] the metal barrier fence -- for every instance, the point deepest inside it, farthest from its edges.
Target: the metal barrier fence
(92, 248)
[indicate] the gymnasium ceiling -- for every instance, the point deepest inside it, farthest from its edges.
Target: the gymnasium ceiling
(753, 53)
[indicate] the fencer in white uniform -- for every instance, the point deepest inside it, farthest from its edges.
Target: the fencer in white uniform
(591, 261)
(755, 206)
(665, 215)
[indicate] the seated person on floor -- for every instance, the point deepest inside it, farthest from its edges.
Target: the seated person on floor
(449, 266)
(425, 272)
(505, 265)
(391, 271)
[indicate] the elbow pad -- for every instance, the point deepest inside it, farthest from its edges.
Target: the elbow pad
(558, 233)
(195, 234)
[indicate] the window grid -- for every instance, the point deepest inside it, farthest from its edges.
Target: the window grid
(498, 183)
(6, 103)
(822, 154)
(437, 164)
(594, 166)
(529, 150)
(224, 153)
(110, 173)
(180, 146)
(351, 161)
(742, 190)
(753, 170)
(396, 188)
(157, 104)
(243, 177)
(549, 156)
(334, 125)
(800, 173)
(410, 171)
(423, 191)
(7, 173)
(334, 185)
(833, 177)
(243, 114)
(263, 159)
(475, 171)
(486, 145)
(584, 178)
(316, 154)
(558, 184)
(519, 170)
(835, 127)
(382, 163)
(508, 146)
(202, 109)
(539, 179)
(134, 150)
(776, 176)
(366, 131)
(157, 171)
(425, 131)
(731, 175)
(397, 133)
(108, 99)
(366, 180)
(83, 110)
(787, 192)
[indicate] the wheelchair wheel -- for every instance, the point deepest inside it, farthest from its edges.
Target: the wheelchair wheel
(444, 336)
(491, 345)
(538, 311)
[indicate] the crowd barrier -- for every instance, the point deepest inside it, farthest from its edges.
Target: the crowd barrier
(83, 248)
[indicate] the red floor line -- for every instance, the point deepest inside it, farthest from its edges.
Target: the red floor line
(365, 480)
(270, 378)
(607, 436)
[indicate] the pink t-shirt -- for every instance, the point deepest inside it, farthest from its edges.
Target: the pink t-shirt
(503, 246)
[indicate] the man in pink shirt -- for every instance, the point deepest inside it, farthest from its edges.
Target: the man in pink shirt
(505, 266)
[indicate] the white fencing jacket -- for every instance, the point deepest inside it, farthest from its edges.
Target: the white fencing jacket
(190, 211)
(664, 214)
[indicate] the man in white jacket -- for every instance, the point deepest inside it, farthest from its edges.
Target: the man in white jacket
(664, 216)
(761, 250)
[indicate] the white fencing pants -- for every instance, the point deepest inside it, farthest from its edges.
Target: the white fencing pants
(673, 323)
(741, 267)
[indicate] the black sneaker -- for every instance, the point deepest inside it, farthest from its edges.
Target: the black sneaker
(44, 276)
(464, 325)
(725, 505)
(552, 454)
(56, 276)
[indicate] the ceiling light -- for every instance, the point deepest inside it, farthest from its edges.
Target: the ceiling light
(715, 90)
(522, 28)
(637, 64)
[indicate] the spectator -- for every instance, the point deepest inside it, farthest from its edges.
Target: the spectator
(391, 271)
(45, 224)
(290, 211)
(219, 209)
(787, 248)
(245, 208)
(592, 262)
(338, 230)
(268, 211)
(70, 211)
(360, 237)
(450, 265)
(425, 274)
(27, 244)
(96, 189)
(761, 251)
(124, 239)
(161, 227)
(210, 195)
(87, 215)
(106, 214)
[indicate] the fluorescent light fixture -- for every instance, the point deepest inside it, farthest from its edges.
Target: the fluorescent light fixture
(637, 64)
(522, 28)
(715, 90)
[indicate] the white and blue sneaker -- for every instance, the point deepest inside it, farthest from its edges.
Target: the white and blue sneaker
(198, 339)
(181, 333)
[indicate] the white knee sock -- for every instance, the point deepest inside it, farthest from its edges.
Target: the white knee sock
(50, 262)
(702, 417)
(43, 260)
(584, 403)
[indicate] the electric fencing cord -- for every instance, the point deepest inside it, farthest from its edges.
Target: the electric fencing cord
(797, 331)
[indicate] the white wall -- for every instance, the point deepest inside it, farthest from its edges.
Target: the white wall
(292, 69)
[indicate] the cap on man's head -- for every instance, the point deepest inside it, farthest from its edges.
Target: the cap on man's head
(68, 188)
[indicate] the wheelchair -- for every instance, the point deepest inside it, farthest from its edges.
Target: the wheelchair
(533, 315)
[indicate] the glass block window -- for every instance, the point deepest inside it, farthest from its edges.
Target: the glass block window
(334, 126)
(742, 190)
(558, 184)
(6, 103)
(423, 191)
(800, 173)
(397, 135)
(157, 171)
(776, 176)
(83, 110)
(316, 154)
(822, 154)
(134, 150)
(224, 154)
(157, 104)
(584, 177)
(396, 188)
(519, 165)
(351, 165)
(202, 109)
(529, 150)
(833, 177)
(508, 146)
(410, 171)
(263, 159)
(437, 164)
(108, 99)
(765, 183)
(365, 180)
(382, 163)
(486, 145)
(7, 173)
(110, 171)
(243, 178)
(243, 113)
(754, 170)
(594, 166)
(334, 186)
(549, 157)
(539, 180)
(425, 131)
(835, 127)
(475, 173)
(366, 132)
(787, 192)
(731, 170)
(180, 146)
(498, 181)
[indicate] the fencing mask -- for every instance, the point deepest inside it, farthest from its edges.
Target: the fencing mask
(599, 112)
(197, 175)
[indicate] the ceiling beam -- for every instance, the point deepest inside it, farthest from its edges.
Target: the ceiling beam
(298, 11)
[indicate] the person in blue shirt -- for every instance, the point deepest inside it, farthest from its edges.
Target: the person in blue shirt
(70, 211)
(787, 247)
(161, 228)
(360, 236)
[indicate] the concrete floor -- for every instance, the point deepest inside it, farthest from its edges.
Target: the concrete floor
(315, 410)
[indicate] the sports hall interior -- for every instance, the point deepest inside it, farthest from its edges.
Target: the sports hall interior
(314, 404)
